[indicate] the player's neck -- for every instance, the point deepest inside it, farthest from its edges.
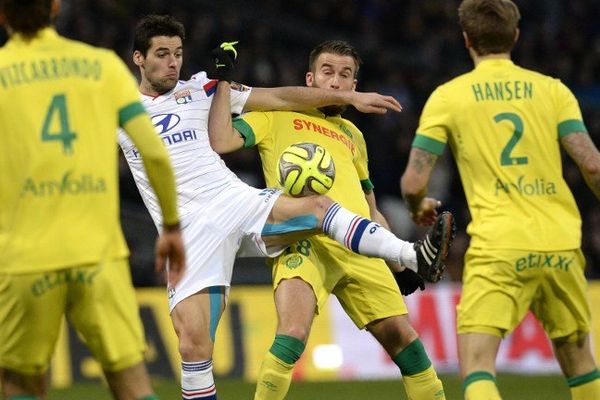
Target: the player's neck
(499, 56)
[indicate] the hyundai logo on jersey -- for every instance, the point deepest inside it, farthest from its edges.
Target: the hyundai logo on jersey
(165, 122)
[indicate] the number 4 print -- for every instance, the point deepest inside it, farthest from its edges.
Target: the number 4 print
(58, 106)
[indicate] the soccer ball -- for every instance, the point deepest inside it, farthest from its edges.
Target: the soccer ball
(305, 169)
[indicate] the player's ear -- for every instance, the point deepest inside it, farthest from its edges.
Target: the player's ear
(55, 9)
(468, 44)
(354, 84)
(138, 58)
(310, 78)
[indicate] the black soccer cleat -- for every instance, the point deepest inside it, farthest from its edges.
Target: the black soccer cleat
(433, 250)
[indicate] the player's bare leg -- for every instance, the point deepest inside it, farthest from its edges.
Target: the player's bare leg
(477, 357)
(14, 384)
(579, 367)
(195, 320)
(404, 347)
(293, 327)
(131, 383)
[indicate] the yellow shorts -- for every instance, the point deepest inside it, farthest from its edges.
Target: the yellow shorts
(98, 300)
(500, 286)
(364, 286)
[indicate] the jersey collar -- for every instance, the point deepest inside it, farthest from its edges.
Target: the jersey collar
(494, 63)
(43, 35)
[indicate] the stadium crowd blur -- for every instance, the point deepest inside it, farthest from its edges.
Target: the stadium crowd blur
(408, 48)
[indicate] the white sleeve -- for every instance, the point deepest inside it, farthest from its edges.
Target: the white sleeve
(239, 96)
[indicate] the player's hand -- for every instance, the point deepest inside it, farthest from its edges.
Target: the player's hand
(427, 213)
(408, 281)
(169, 245)
(374, 103)
(224, 58)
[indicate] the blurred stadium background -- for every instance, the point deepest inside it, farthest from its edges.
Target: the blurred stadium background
(408, 48)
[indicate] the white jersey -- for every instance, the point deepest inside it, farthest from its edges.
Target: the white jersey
(181, 119)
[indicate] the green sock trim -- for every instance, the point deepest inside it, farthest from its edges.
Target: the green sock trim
(151, 397)
(24, 397)
(413, 359)
(583, 379)
(287, 348)
(478, 376)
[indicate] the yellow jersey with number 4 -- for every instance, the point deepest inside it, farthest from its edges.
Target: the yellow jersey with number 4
(61, 102)
(503, 125)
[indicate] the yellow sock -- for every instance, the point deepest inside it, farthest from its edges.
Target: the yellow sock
(424, 386)
(481, 385)
(420, 380)
(585, 387)
(274, 379)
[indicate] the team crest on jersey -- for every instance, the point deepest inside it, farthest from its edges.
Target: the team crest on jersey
(183, 96)
(293, 261)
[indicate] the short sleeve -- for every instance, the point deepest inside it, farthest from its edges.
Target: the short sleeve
(434, 125)
(361, 160)
(239, 97)
(254, 127)
(568, 112)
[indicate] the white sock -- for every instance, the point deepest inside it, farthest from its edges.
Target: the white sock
(197, 381)
(364, 236)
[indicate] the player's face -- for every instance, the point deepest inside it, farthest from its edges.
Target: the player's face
(161, 66)
(332, 71)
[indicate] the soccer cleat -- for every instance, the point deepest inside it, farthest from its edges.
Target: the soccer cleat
(433, 250)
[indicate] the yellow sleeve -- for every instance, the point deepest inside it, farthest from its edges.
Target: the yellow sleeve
(156, 163)
(568, 112)
(434, 125)
(253, 126)
(122, 86)
(361, 160)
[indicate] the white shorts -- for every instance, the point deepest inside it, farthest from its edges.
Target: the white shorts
(213, 235)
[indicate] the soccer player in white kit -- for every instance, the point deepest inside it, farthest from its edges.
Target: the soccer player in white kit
(219, 213)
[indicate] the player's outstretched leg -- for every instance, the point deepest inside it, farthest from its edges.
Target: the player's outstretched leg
(307, 215)
(433, 249)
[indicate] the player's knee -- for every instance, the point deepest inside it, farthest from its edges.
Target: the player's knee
(193, 347)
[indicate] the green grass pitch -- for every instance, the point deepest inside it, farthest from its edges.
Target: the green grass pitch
(513, 387)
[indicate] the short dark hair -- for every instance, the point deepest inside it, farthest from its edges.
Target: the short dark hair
(27, 17)
(491, 25)
(155, 25)
(338, 47)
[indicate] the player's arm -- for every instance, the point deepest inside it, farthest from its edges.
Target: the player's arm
(223, 137)
(413, 185)
(160, 173)
(304, 98)
(581, 149)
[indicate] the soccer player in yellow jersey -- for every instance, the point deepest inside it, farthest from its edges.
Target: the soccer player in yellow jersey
(317, 266)
(505, 125)
(63, 252)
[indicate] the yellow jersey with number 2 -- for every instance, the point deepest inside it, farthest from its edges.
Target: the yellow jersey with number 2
(503, 124)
